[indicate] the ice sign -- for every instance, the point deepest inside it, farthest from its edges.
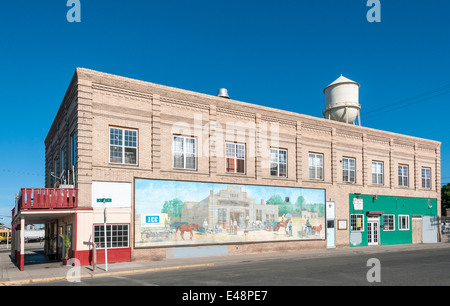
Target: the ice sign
(152, 219)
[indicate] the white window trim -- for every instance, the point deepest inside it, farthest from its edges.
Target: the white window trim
(316, 177)
(401, 169)
(184, 153)
(349, 170)
(425, 179)
(101, 227)
(362, 223)
(123, 146)
(399, 222)
(235, 144)
(378, 173)
(393, 225)
(278, 162)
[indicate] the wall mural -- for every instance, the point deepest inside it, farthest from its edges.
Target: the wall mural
(184, 213)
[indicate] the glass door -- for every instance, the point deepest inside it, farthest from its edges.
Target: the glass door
(373, 231)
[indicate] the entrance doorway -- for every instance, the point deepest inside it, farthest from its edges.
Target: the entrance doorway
(417, 229)
(373, 230)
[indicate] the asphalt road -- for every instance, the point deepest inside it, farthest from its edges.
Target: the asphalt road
(424, 267)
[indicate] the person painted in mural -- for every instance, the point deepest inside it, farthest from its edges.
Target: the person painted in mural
(290, 228)
(205, 226)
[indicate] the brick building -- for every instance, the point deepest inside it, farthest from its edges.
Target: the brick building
(149, 149)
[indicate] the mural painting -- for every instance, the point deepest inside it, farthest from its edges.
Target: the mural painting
(186, 213)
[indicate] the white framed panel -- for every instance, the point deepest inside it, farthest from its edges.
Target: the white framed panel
(119, 193)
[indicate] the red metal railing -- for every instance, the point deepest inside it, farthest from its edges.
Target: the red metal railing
(47, 198)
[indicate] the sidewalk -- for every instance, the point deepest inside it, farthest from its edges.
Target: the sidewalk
(53, 271)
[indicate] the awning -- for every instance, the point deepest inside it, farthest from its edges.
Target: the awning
(368, 213)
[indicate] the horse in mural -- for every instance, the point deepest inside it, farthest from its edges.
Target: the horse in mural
(187, 228)
(317, 229)
(284, 224)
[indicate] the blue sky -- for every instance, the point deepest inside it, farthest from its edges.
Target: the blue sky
(274, 53)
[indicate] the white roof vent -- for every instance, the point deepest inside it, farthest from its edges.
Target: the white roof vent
(223, 93)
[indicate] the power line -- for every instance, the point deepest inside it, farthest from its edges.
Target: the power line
(401, 104)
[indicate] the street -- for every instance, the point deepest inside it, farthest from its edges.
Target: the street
(426, 267)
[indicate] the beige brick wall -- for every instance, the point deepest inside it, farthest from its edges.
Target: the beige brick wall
(158, 112)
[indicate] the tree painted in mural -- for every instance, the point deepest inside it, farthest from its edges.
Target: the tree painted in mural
(173, 207)
(286, 207)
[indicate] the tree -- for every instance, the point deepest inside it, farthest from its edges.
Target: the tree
(283, 206)
(300, 204)
(173, 207)
(445, 198)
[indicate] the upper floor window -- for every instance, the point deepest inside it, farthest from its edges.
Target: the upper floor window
(377, 173)
(426, 178)
(73, 149)
(278, 162)
(235, 157)
(184, 153)
(348, 170)
(315, 166)
(403, 180)
(122, 146)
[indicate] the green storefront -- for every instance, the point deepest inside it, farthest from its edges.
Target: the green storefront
(386, 220)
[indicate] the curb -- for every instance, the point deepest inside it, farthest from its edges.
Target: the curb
(107, 274)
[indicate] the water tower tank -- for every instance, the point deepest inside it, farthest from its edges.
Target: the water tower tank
(342, 101)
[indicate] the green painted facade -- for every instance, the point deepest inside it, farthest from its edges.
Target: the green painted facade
(396, 206)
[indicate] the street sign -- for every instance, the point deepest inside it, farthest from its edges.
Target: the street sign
(106, 200)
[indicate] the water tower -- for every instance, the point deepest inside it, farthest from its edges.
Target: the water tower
(342, 101)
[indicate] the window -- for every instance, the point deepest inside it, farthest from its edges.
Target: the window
(63, 160)
(315, 166)
(55, 171)
(426, 178)
(389, 222)
(235, 157)
(278, 162)
(377, 173)
(403, 176)
(116, 235)
(122, 146)
(222, 217)
(403, 222)
(259, 215)
(184, 153)
(357, 223)
(73, 150)
(348, 170)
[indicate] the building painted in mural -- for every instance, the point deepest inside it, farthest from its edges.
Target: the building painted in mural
(179, 173)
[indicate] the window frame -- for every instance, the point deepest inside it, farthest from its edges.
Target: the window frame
(278, 162)
(184, 152)
(73, 150)
(354, 219)
(100, 240)
(349, 170)
(378, 174)
(235, 157)
(390, 221)
(425, 179)
(315, 167)
(402, 176)
(400, 226)
(123, 146)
